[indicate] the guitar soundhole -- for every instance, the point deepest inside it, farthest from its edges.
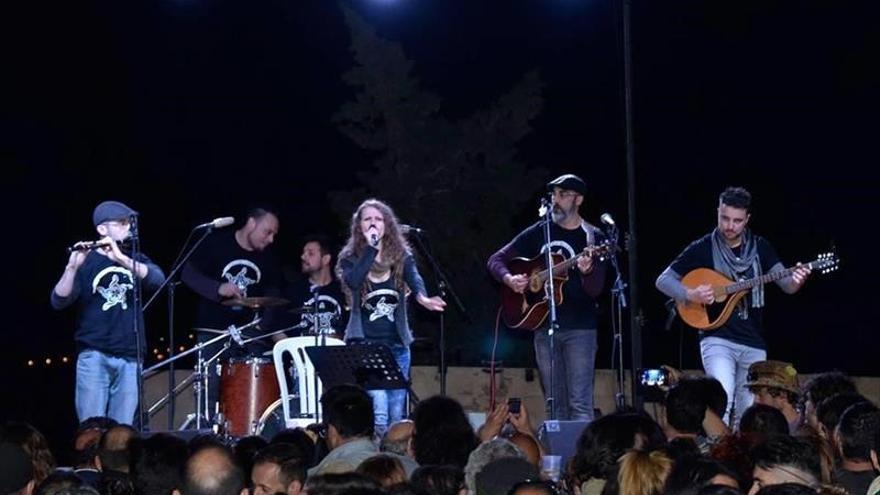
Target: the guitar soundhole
(714, 311)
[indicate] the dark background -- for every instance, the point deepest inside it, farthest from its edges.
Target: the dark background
(191, 109)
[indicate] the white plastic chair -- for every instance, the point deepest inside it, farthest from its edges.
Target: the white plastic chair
(305, 378)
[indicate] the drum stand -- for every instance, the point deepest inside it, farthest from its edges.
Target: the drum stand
(199, 377)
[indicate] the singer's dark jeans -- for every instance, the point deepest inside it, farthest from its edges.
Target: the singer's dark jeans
(575, 368)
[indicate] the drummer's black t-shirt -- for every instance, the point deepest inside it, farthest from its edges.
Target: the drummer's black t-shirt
(221, 259)
(332, 315)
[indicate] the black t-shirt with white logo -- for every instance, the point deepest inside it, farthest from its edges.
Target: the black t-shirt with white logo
(332, 313)
(103, 292)
(220, 259)
(578, 309)
(377, 312)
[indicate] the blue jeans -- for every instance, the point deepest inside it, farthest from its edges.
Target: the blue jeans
(574, 370)
(389, 405)
(106, 386)
(728, 362)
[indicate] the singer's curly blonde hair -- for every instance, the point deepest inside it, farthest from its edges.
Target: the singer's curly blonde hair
(394, 245)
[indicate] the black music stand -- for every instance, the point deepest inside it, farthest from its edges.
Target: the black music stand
(371, 366)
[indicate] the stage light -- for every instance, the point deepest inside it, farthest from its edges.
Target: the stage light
(30, 362)
(64, 359)
(48, 361)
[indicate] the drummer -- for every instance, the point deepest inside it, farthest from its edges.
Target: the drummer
(228, 267)
(317, 279)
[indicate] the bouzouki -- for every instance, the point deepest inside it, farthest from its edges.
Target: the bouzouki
(529, 309)
(728, 292)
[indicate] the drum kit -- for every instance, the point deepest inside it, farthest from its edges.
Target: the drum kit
(250, 396)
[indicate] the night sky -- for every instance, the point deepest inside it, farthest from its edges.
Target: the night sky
(191, 109)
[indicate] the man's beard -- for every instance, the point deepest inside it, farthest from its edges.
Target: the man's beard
(559, 214)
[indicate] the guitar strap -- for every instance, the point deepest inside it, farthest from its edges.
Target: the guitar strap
(589, 231)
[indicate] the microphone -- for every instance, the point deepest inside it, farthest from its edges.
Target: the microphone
(217, 223)
(374, 239)
(607, 220)
(87, 245)
(410, 229)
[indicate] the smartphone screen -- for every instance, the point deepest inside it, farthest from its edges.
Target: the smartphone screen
(513, 404)
(654, 377)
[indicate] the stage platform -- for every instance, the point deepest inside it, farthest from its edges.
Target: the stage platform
(470, 386)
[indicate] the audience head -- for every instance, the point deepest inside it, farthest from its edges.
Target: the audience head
(775, 383)
(762, 421)
(822, 386)
(383, 469)
(342, 484)
(348, 413)
(438, 480)
(484, 454)
(692, 473)
(301, 438)
(212, 471)
(279, 468)
(785, 459)
(244, 451)
(643, 473)
(855, 431)
(17, 472)
(113, 451)
(686, 404)
(606, 439)
(35, 446)
(442, 433)
(156, 463)
(396, 439)
(500, 475)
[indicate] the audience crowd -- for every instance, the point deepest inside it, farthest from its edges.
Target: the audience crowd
(819, 437)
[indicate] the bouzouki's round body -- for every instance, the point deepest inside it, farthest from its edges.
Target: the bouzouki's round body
(711, 316)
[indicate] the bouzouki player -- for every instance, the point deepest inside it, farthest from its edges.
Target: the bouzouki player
(733, 251)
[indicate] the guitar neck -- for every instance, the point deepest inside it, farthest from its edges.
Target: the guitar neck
(563, 266)
(763, 279)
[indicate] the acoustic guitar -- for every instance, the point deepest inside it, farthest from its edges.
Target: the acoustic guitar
(728, 292)
(529, 309)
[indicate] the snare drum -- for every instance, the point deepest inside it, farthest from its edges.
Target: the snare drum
(247, 387)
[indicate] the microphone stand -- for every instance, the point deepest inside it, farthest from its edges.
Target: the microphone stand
(171, 283)
(618, 298)
(138, 316)
(550, 286)
(443, 287)
(320, 340)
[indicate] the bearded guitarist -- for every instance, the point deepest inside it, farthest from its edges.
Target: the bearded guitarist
(733, 251)
(575, 341)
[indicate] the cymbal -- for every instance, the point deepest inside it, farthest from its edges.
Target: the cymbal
(256, 302)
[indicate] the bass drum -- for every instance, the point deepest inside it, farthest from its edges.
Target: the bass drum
(272, 421)
(247, 387)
